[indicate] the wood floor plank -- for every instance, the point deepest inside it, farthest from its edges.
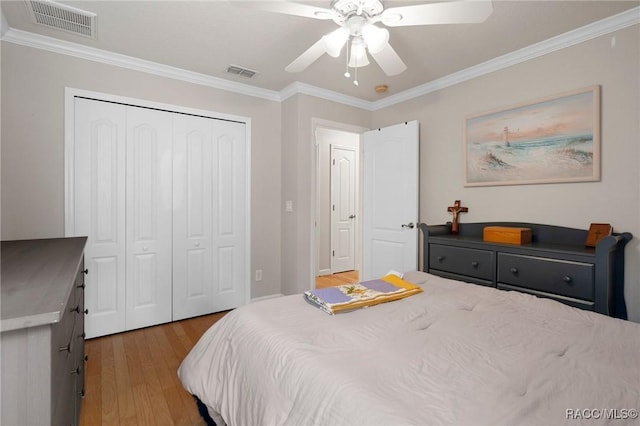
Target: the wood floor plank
(109, 392)
(337, 279)
(173, 362)
(144, 412)
(159, 407)
(124, 385)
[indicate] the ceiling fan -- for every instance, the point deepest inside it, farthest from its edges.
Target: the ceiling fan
(357, 30)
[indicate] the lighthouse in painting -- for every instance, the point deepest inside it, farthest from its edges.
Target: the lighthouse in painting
(505, 136)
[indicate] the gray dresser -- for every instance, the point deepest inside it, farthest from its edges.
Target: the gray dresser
(556, 264)
(42, 331)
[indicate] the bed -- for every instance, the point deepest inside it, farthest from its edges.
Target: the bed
(456, 353)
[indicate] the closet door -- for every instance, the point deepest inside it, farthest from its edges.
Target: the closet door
(98, 175)
(192, 148)
(229, 217)
(210, 192)
(149, 217)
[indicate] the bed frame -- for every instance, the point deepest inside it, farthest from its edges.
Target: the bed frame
(556, 264)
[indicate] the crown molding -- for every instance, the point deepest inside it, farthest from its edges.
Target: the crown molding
(110, 58)
(579, 35)
(605, 26)
(298, 88)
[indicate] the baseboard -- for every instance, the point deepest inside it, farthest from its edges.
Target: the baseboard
(270, 296)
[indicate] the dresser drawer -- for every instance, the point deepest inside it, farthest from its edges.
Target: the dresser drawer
(465, 261)
(566, 278)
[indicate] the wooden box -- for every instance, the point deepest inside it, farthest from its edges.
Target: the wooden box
(506, 234)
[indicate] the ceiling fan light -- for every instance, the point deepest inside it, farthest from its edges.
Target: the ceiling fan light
(334, 41)
(375, 37)
(358, 55)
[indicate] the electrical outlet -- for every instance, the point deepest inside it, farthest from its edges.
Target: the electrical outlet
(258, 274)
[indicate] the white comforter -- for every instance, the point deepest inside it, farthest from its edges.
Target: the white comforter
(456, 354)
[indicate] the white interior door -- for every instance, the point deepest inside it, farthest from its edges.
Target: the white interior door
(98, 210)
(390, 200)
(229, 216)
(343, 208)
(192, 247)
(209, 216)
(149, 217)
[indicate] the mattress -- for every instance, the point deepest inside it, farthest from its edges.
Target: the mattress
(454, 354)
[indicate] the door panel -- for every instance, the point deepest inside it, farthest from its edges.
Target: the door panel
(390, 196)
(229, 189)
(343, 202)
(99, 210)
(149, 217)
(192, 171)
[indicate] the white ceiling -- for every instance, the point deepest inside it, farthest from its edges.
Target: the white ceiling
(207, 36)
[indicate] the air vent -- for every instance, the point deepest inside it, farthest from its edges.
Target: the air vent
(243, 72)
(62, 17)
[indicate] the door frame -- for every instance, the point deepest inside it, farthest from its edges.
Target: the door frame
(331, 125)
(70, 93)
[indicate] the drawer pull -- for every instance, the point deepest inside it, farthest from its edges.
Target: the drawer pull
(65, 348)
(440, 258)
(82, 336)
(567, 279)
(85, 271)
(86, 358)
(81, 393)
(82, 286)
(514, 271)
(77, 310)
(474, 264)
(76, 371)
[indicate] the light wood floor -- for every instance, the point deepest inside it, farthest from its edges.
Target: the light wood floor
(337, 279)
(131, 378)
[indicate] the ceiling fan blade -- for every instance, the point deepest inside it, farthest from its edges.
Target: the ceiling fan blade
(307, 58)
(389, 61)
(286, 7)
(455, 12)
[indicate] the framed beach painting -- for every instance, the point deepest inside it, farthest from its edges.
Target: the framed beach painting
(556, 139)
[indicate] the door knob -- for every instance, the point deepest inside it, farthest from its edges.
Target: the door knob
(353, 216)
(410, 225)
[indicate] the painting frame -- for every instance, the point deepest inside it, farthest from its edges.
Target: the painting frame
(555, 139)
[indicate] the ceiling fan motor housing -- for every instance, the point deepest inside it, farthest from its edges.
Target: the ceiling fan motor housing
(347, 8)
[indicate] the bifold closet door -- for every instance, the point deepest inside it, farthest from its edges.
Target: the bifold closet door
(149, 217)
(209, 260)
(123, 203)
(162, 197)
(98, 173)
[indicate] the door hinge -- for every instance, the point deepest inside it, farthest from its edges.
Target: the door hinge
(334, 161)
(333, 252)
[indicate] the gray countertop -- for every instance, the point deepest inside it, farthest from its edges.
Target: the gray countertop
(36, 279)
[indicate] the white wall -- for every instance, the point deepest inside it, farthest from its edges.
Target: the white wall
(32, 174)
(615, 199)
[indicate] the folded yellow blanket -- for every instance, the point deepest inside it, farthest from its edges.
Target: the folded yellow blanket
(348, 297)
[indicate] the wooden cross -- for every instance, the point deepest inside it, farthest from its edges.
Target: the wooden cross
(455, 209)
